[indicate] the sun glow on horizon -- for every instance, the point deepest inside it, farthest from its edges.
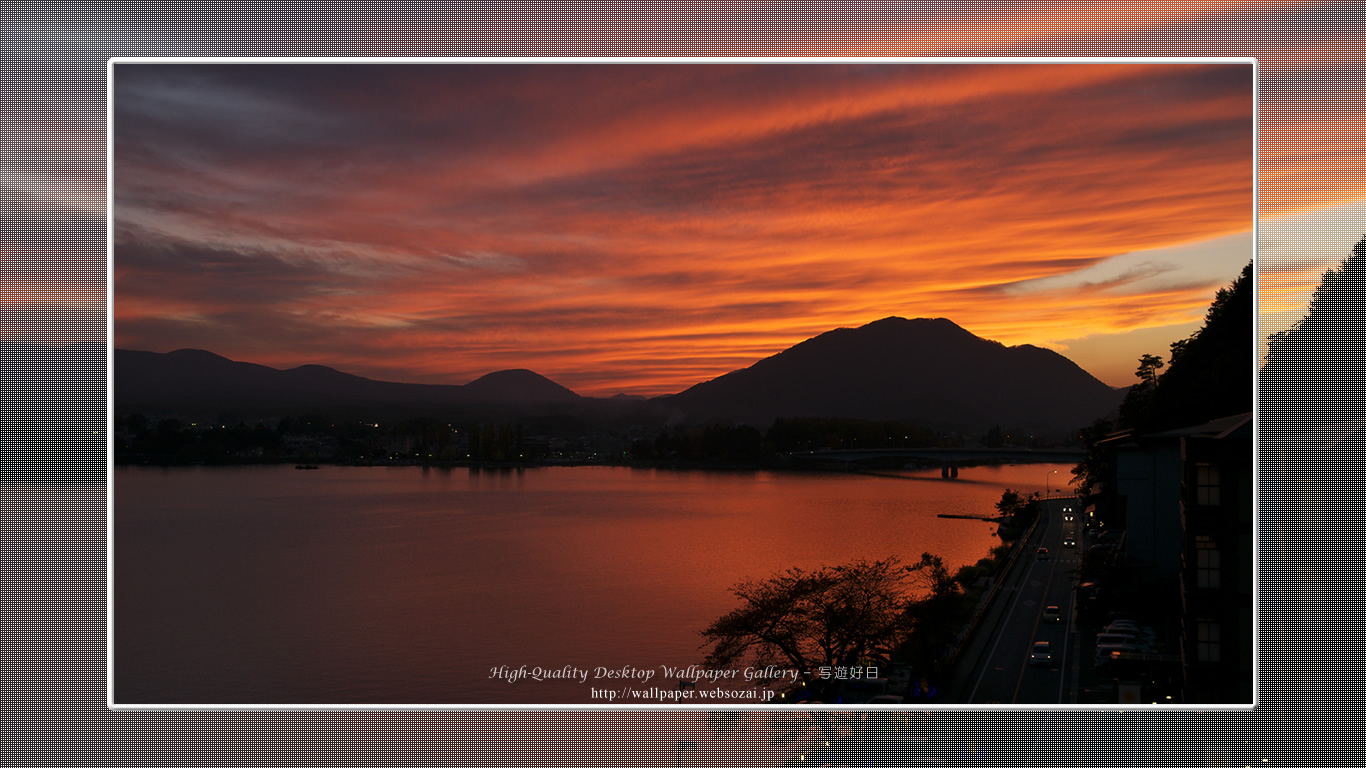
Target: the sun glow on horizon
(637, 229)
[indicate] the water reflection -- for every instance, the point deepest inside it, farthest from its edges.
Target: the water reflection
(406, 585)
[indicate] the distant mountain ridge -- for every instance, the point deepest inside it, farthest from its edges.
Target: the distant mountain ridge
(928, 371)
(924, 370)
(193, 378)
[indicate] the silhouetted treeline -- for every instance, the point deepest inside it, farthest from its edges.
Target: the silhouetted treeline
(1209, 374)
(1315, 373)
(172, 440)
(745, 443)
(813, 434)
(714, 442)
(497, 442)
(1019, 512)
(227, 439)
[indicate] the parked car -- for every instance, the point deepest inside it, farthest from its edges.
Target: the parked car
(1101, 552)
(1103, 651)
(1041, 654)
(1042, 553)
(1130, 627)
(1089, 595)
(1052, 613)
(1122, 638)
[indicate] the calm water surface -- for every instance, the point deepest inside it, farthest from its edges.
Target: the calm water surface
(405, 585)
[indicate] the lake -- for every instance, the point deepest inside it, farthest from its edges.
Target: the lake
(412, 585)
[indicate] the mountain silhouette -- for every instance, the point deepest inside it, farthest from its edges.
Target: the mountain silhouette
(926, 371)
(923, 370)
(518, 385)
(196, 379)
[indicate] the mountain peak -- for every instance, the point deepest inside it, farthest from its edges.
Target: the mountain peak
(195, 379)
(929, 370)
(941, 325)
(201, 355)
(518, 384)
(899, 320)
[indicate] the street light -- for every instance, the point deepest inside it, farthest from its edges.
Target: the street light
(1045, 482)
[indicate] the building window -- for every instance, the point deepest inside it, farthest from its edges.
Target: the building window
(1206, 485)
(1206, 563)
(1206, 640)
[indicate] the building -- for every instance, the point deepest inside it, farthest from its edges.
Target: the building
(1148, 487)
(1185, 499)
(1216, 581)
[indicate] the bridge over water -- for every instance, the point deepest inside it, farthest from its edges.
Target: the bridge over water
(948, 458)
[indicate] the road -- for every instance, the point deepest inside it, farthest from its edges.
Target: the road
(1004, 674)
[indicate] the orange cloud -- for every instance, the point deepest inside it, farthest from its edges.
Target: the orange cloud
(640, 228)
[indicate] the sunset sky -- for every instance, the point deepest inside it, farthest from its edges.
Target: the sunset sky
(639, 228)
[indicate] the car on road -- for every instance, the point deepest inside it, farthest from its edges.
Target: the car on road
(1069, 542)
(1052, 613)
(1068, 516)
(1041, 654)
(1042, 553)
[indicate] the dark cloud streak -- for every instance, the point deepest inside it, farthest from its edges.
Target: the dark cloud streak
(472, 217)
